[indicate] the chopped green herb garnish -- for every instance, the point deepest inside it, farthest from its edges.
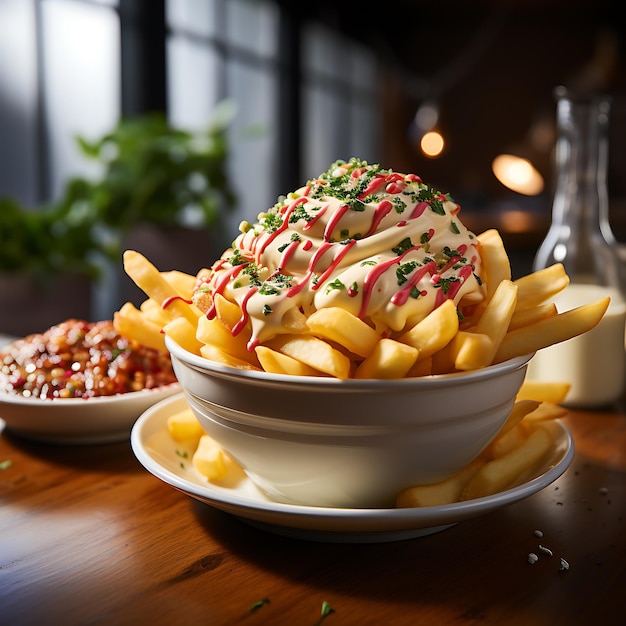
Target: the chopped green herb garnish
(403, 246)
(444, 283)
(404, 270)
(252, 271)
(437, 207)
(336, 284)
(267, 309)
(5, 464)
(237, 258)
(399, 205)
(269, 290)
(272, 220)
(299, 213)
(326, 611)
(255, 606)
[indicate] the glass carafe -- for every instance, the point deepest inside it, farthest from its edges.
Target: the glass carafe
(580, 237)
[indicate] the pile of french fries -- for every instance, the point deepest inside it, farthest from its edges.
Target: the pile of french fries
(518, 453)
(515, 318)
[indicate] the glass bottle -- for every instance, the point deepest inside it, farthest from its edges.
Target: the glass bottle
(580, 237)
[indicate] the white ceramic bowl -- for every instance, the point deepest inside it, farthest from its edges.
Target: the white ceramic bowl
(351, 443)
(65, 421)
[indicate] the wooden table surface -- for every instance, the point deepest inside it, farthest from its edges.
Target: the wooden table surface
(88, 536)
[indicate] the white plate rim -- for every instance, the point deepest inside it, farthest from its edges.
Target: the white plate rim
(327, 523)
(56, 420)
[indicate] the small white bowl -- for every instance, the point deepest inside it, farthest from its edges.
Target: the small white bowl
(103, 419)
(347, 443)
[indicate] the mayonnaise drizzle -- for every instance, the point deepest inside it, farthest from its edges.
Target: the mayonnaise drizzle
(381, 244)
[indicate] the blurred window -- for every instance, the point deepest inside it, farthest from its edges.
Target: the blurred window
(304, 94)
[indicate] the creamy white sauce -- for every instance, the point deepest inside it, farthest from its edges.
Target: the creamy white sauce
(383, 245)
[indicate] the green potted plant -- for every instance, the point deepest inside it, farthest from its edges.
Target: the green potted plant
(160, 190)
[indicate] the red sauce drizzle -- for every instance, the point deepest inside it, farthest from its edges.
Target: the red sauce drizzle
(382, 210)
(341, 252)
(455, 286)
(171, 299)
(296, 289)
(420, 207)
(317, 216)
(243, 320)
(290, 209)
(373, 186)
(373, 275)
(400, 297)
(287, 254)
(413, 178)
(334, 220)
(220, 285)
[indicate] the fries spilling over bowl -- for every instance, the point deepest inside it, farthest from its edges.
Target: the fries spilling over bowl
(363, 274)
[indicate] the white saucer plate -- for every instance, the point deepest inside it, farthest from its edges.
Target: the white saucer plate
(72, 421)
(171, 462)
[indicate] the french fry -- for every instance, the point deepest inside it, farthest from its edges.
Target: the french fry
(520, 410)
(184, 334)
(552, 392)
(546, 411)
(501, 473)
(438, 494)
(467, 350)
(154, 285)
(294, 321)
(315, 353)
(213, 332)
(536, 288)
(228, 313)
(279, 363)
(213, 353)
(435, 331)
(182, 282)
(496, 264)
(508, 441)
(422, 367)
(531, 315)
(183, 426)
(209, 459)
(552, 330)
(152, 311)
(389, 359)
(340, 326)
(129, 322)
(493, 323)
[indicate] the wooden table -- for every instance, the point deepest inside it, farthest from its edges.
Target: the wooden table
(87, 536)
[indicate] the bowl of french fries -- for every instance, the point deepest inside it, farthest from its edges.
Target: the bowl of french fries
(347, 443)
(357, 339)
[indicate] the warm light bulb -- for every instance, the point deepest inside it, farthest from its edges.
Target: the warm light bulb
(432, 144)
(517, 174)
